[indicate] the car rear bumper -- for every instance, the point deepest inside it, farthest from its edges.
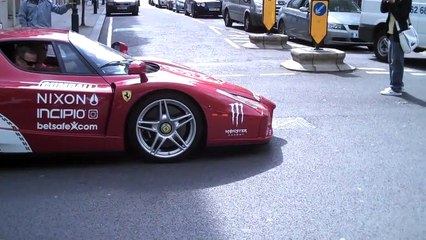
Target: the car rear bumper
(122, 7)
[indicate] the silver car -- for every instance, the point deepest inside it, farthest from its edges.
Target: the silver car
(343, 21)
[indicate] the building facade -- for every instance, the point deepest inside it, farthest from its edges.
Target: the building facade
(9, 13)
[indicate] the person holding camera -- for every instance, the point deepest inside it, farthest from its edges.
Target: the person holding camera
(37, 13)
(398, 11)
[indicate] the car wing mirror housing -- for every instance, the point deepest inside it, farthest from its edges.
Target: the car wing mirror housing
(120, 46)
(138, 68)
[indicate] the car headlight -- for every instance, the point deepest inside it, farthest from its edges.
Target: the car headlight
(201, 4)
(249, 102)
(259, 7)
(336, 26)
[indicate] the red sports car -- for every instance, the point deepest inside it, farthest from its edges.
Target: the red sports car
(79, 95)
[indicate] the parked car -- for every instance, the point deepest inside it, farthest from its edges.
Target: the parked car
(248, 12)
(343, 22)
(178, 5)
(122, 6)
(90, 97)
(158, 3)
(202, 7)
(373, 27)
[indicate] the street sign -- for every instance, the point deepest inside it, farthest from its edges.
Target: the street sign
(319, 20)
(269, 13)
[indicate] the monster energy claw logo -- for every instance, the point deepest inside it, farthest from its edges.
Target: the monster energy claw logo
(237, 113)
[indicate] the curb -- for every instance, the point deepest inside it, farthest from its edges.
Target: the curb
(96, 32)
(322, 60)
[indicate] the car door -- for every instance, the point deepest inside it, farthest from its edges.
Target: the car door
(242, 7)
(303, 20)
(418, 19)
(291, 13)
(64, 99)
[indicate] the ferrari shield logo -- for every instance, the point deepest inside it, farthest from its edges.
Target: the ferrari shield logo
(127, 95)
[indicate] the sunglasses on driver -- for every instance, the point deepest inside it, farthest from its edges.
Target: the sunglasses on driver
(29, 63)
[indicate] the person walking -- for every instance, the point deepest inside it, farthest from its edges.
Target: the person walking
(37, 13)
(398, 11)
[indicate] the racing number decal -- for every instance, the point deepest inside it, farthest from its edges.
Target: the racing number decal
(11, 140)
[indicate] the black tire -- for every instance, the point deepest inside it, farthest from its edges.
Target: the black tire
(381, 46)
(108, 13)
(185, 10)
(194, 14)
(227, 19)
(165, 127)
(281, 27)
(248, 26)
(135, 11)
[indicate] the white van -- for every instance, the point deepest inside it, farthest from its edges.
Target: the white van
(372, 27)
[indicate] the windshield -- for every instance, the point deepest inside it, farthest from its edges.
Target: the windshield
(344, 6)
(101, 55)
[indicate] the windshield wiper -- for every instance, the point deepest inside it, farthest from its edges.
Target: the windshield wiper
(116, 63)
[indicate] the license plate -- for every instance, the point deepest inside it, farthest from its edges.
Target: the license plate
(121, 7)
(214, 9)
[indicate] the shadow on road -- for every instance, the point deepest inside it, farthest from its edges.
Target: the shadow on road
(212, 167)
(412, 99)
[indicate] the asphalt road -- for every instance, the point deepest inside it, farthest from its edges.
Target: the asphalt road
(345, 162)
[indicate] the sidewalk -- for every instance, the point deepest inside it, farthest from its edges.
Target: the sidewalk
(93, 22)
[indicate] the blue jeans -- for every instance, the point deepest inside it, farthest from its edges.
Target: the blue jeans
(396, 65)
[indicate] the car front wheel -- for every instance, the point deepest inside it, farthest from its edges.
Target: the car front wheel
(381, 46)
(227, 19)
(166, 127)
(248, 27)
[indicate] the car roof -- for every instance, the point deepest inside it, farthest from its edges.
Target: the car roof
(33, 33)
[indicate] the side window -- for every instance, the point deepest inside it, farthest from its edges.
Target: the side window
(72, 61)
(296, 4)
(36, 56)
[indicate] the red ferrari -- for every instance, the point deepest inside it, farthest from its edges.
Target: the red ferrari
(78, 95)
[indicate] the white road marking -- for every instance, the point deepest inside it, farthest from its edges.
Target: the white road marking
(229, 75)
(371, 69)
(127, 30)
(418, 74)
(277, 74)
(109, 35)
(291, 123)
(216, 30)
(198, 20)
(232, 43)
(376, 72)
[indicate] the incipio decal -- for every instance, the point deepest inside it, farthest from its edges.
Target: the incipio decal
(65, 85)
(11, 140)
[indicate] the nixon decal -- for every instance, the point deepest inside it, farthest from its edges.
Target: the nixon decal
(237, 113)
(127, 95)
(67, 99)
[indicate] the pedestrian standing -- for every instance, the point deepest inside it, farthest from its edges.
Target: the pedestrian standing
(37, 13)
(398, 11)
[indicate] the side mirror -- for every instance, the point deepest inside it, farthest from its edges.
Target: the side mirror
(304, 9)
(138, 68)
(120, 46)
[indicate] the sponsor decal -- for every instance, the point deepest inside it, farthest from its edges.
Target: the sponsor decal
(93, 114)
(127, 95)
(237, 118)
(236, 132)
(53, 84)
(73, 126)
(11, 140)
(237, 113)
(67, 99)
